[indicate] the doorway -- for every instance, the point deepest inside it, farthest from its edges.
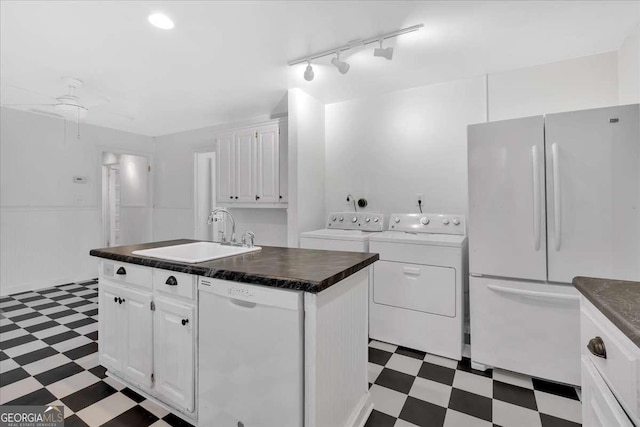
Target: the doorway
(126, 212)
(205, 197)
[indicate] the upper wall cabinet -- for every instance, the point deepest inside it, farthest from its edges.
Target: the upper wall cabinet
(251, 167)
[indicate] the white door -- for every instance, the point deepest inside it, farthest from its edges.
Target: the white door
(506, 199)
(138, 333)
(593, 193)
(112, 318)
(268, 159)
(174, 326)
(225, 168)
(245, 169)
(205, 196)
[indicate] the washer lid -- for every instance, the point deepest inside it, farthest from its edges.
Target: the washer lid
(330, 234)
(432, 239)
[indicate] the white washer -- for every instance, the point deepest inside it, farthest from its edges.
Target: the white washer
(346, 231)
(417, 291)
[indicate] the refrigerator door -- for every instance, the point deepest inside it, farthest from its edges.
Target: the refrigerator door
(593, 193)
(506, 199)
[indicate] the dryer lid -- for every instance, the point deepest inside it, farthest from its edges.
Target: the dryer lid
(432, 239)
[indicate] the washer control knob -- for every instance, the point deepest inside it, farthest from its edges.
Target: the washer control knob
(368, 220)
(376, 220)
(424, 220)
(456, 221)
(333, 218)
(341, 218)
(397, 220)
(445, 221)
(354, 219)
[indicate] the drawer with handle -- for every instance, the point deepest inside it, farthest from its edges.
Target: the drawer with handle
(613, 354)
(174, 283)
(123, 272)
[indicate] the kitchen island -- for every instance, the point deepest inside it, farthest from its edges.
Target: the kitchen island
(165, 330)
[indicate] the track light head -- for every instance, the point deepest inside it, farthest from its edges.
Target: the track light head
(383, 52)
(308, 72)
(342, 66)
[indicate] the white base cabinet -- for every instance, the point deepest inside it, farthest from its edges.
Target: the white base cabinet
(610, 384)
(147, 338)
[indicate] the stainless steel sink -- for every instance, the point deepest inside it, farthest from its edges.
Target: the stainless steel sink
(196, 252)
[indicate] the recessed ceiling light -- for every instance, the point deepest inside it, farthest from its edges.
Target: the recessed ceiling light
(162, 21)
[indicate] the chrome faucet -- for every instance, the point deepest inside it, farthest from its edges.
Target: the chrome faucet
(212, 218)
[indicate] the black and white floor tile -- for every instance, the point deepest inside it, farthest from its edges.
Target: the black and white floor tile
(412, 388)
(48, 355)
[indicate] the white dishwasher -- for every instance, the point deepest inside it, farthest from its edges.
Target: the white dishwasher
(250, 355)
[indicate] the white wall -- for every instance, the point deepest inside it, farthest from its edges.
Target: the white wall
(389, 147)
(306, 165)
(629, 68)
(174, 214)
(575, 84)
(48, 224)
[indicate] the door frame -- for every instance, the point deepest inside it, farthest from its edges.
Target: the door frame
(196, 151)
(101, 187)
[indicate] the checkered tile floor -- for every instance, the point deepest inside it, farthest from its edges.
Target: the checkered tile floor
(48, 355)
(412, 388)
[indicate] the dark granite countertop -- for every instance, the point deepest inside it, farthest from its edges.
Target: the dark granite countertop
(618, 300)
(306, 270)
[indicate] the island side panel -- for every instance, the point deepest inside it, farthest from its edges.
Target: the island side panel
(336, 354)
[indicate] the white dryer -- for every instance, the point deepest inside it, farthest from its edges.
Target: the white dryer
(346, 231)
(417, 292)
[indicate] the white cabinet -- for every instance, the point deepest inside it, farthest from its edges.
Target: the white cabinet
(610, 372)
(112, 318)
(252, 167)
(174, 343)
(147, 332)
(137, 336)
(225, 168)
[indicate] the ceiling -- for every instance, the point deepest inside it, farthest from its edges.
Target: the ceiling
(225, 61)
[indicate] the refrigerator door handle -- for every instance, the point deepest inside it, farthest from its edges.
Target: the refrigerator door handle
(535, 294)
(536, 197)
(556, 196)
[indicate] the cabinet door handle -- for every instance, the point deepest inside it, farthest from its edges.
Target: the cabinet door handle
(115, 299)
(185, 321)
(121, 271)
(597, 348)
(171, 281)
(231, 197)
(257, 197)
(236, 197)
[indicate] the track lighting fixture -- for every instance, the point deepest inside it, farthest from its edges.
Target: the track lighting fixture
(308, 72)
(342, 66)
(384, 52)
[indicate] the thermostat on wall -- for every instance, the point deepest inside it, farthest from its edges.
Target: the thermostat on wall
(79, 179)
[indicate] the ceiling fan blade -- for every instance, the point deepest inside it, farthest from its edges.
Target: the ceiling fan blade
(32, 91)
(28, 105)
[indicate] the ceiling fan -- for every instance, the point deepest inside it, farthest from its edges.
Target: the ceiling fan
(67, 106)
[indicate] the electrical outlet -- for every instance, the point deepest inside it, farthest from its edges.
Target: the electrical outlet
(419, 196)
(79, 199)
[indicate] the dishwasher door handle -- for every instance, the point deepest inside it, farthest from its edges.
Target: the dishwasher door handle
(242, 304)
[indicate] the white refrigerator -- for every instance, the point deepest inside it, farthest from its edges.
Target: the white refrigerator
(550, 198)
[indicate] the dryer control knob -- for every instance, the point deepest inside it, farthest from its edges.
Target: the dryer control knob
(333, 218)
(376, 220)
(341, 218)
(456, 221)
(424, 220)
(445, 221)
(354, 219)
(397, 220)
(368, 220)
